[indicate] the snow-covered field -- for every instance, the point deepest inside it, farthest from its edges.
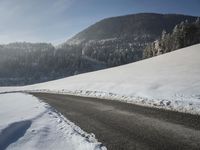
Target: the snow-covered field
(169, 81)
(26, 123)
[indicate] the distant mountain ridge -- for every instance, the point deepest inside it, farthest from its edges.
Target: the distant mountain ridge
(149, 24)
(110, 42)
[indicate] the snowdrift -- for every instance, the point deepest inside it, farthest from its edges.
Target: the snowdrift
(30, 124)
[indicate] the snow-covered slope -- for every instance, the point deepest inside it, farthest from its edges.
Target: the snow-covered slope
(171, 81)
(29, 124)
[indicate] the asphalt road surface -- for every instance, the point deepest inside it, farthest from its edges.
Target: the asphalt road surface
(122, 126)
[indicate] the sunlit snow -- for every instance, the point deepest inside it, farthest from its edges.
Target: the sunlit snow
(26, 123)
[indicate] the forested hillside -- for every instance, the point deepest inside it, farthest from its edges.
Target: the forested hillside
(184, 34)
(26, 63)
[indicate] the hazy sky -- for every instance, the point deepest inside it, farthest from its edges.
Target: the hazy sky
(57, 20)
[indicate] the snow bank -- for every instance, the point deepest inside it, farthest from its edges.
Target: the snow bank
(169, 81)
(27, 123)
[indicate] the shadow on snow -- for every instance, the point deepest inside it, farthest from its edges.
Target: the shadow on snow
(13, 132)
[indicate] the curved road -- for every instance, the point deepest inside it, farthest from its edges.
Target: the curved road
(122, 126)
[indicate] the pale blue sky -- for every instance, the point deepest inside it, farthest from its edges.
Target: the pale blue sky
(57, 20)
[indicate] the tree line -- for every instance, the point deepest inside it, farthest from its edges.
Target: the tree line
(183, 35)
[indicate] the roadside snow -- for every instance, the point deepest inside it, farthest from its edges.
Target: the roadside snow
(169, 81)
(27, 123)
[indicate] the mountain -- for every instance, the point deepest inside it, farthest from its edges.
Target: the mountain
(110, 42)
(121, 40)
(136, 25)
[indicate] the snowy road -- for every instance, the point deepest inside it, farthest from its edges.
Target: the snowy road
(122, 126)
